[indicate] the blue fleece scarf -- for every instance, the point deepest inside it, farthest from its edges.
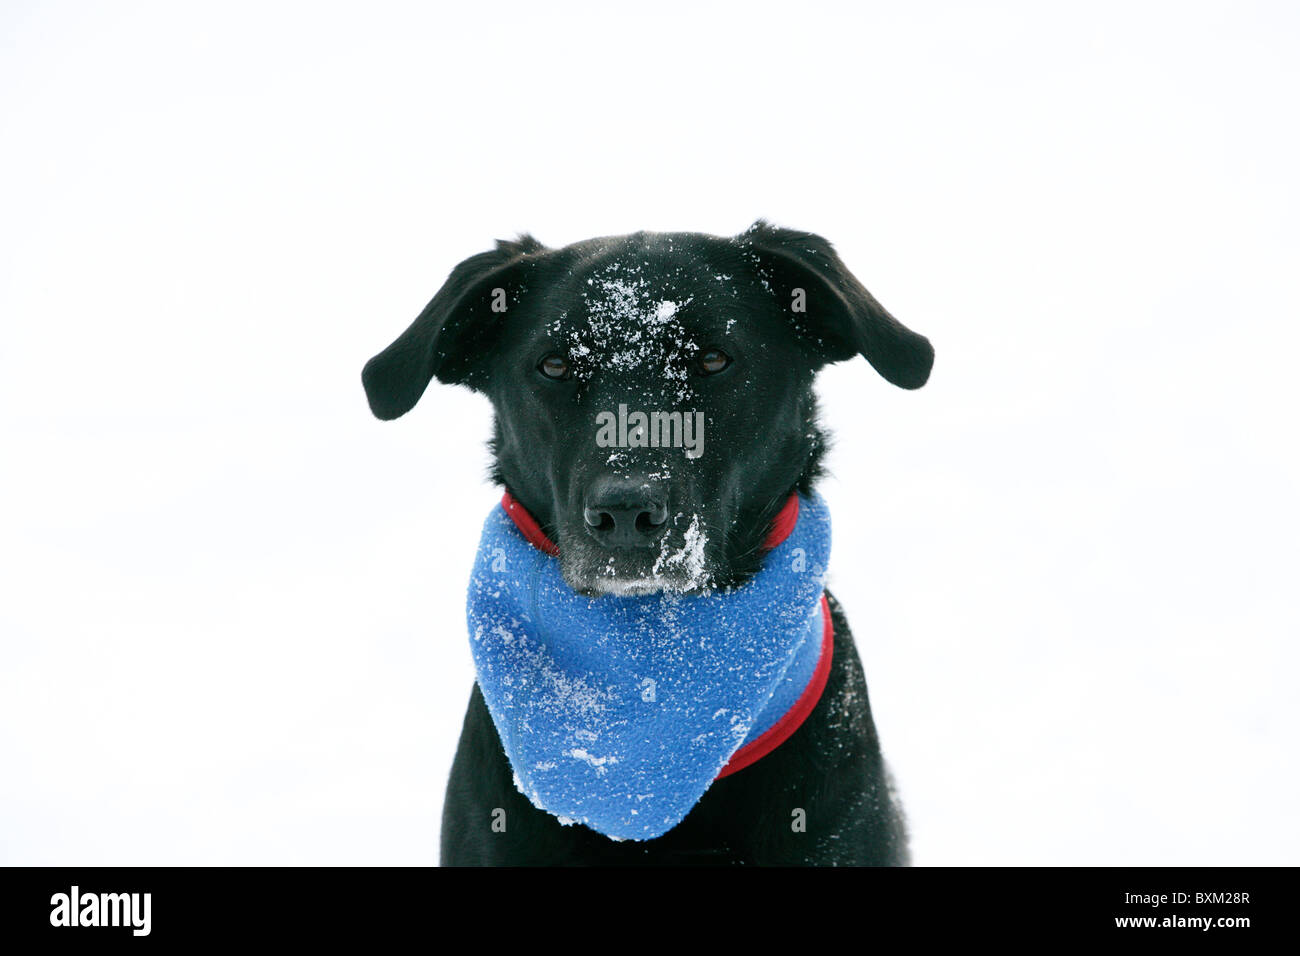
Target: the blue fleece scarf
(619, 712)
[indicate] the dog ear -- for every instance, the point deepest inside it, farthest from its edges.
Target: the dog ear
(451, 333)
(831, 307)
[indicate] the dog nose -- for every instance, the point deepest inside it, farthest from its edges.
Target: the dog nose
(626, 513)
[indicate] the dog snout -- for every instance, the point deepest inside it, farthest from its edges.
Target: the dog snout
(626, 513)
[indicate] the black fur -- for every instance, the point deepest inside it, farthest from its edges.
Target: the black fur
(593, 304)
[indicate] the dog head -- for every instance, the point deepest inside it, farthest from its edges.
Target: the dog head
(653, 392)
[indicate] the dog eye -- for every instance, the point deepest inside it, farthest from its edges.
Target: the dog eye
(712, 361)
(554, 367)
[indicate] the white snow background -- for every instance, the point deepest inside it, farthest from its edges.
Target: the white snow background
(232, 602)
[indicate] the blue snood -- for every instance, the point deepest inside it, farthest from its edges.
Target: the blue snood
(619, 712)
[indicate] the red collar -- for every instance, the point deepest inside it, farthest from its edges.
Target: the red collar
(793, 718)
(782, 524)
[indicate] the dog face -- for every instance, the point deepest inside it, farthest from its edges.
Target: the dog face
(653, 392)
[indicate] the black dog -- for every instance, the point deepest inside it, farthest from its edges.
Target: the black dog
(554, 336)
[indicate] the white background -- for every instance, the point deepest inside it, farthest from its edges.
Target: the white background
(231, 602)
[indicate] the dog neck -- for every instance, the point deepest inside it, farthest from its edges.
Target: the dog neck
(648, 699)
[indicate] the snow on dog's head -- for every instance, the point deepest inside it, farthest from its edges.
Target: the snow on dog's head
(653, 392)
